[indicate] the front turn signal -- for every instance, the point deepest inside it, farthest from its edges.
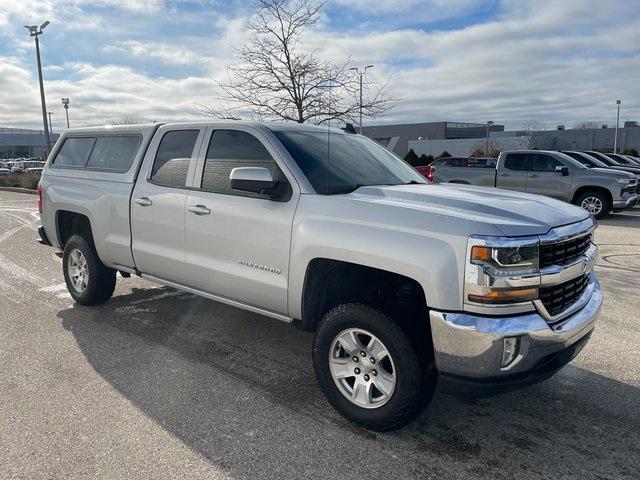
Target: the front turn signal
(513, 295)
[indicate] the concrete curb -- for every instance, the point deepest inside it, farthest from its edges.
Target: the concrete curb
(17, 190)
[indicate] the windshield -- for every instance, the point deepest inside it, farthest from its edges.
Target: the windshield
(622, 159)
(571, 161)
(341, 163)
(587, 162)
(603, 158)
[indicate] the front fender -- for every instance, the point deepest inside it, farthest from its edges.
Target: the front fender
(432, 261)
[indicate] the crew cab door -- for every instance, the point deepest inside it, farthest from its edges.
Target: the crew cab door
(512, 174)
(158, 203)
(237, 243)
(542, 178)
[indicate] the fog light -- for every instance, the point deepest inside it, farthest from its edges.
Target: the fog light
(510, 350)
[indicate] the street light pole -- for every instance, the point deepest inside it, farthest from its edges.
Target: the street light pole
(50, 125)
(487, 148)
(35, 31)
(361, 75)
(65, 104)
(615, 140)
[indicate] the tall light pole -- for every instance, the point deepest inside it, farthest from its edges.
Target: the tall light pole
(361, 74)
(35, 31)
(50, 125)
(615, 140)
(489, 123)
(65, 104)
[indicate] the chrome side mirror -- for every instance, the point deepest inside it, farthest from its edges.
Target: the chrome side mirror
(254, 179)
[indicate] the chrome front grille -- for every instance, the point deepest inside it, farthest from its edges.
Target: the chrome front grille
(561, 253)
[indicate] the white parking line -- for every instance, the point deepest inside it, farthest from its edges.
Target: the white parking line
(54, 288)
(22, 220)
(12, 294)
(19, 272)
(9, 233)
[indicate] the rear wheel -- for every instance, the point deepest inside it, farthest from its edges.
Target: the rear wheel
(594, 202)
(368, 368)
(88, 280)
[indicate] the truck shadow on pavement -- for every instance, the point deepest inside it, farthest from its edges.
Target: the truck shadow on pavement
(239, 389)
(626, 218)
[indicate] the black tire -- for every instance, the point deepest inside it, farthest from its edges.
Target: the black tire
(415, 383)
(101, 280)
(603, 198)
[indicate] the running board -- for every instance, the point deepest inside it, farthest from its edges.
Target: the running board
(226, 301)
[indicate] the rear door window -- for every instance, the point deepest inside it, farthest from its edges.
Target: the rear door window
(171, 165)
(515, 161)
(114, 152)
(74, 152)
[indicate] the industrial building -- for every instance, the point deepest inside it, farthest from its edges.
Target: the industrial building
(23, 143)
(397, 137)
(460, 139)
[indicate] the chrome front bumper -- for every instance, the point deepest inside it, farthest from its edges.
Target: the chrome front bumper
(470, 347)
(628, 202)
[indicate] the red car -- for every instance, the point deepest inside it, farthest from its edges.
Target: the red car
(427, 170)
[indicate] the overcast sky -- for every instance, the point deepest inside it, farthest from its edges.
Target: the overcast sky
(510, 61)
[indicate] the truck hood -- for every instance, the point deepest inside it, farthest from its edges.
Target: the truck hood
(616, 173)
(512, 213)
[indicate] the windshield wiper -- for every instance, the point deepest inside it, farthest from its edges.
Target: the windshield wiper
(345, 189)
(353, 188)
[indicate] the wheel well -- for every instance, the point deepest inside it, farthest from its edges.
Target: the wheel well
(583, 190)
(73, 223)
(329, 283)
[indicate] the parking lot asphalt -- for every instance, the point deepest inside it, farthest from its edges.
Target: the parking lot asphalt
(161, 384)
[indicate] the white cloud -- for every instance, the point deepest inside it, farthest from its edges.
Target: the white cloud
(544, 60)
(550, 60)
(411, 10)
(36, 10)
(99, 94)
(167, 53)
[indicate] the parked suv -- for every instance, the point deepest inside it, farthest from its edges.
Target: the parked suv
(551, 174)
(407, 285)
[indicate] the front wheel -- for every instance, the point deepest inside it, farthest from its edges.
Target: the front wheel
(368, 368)
(596, 203)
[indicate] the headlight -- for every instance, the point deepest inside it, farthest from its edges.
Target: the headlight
(506, 259)
(623, 181)
(502, 271)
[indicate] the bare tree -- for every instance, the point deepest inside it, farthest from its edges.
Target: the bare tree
(277, 79)
(531, 126)
(127, 119)
(480, 149)
(586, 125)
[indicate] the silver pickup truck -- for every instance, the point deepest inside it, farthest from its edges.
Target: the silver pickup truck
(548, 173)
(407, 285)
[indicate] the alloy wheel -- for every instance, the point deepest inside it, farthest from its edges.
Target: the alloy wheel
(362, 368)
(593, 205)
(78, 270)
